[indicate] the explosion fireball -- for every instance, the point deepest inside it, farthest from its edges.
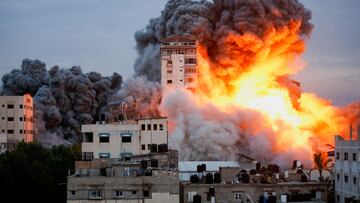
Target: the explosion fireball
(246, 101)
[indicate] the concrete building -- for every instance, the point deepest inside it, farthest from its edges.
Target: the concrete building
(3, 143)
(146, 178)
(235, 185)
(179, 63)
(347, 169)
(117, 140)
(17, 119)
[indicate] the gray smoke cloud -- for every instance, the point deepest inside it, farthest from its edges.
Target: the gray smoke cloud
(211, 23)
(63, 98)
(206, 133)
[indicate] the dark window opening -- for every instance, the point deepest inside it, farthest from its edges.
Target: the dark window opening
(20, 106)
(10, 131)
(10, 106)
(354, 180)
(134, 192)
(155, 127)
(337, 155)
(10, 119)
(20, 131)
(354, 157)
(118, 193)
(161, 127)
(126, 139)
(73, 192)
(346, 178)
(142, 126)
(21, 118)
(346, 156)
(88, 137)
(149, 127)
(143, 147)
(146, 193)
(104, 139)
(169, 81)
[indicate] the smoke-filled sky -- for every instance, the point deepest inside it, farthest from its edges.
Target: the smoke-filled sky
(98, 35)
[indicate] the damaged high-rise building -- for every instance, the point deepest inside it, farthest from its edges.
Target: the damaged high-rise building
(179, 63)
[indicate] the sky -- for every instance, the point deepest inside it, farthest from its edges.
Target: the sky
(98, 36)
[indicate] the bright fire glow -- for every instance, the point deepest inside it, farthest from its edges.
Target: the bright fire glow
(240, 79)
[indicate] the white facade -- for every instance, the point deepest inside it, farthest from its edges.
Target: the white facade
(347, 169)
(179, 63)
(3, 143)
(16, 120)
(118, 140)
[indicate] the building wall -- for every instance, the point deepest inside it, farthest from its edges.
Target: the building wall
(162, 186)
(143, 133)
(16, 118)
(347, 169)
(179, 63)
(226, 192)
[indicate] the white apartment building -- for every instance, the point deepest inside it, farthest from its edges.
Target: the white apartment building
(347, 169)
(117, 140)
(179, 63)
(17, 119)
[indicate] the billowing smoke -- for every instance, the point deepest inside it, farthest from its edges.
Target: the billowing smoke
(63, 98)
(260, 40)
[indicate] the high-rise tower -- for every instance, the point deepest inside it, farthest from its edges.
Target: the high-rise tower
(179, 63)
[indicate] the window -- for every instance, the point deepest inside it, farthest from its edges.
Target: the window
(134, 192)
(354, 156)
(181, 80)
(73, 192)
(154, 126)
(354, 180)
(189, 80)
(146, 193)
(21, 118)
(20, 131)
(161, 127)
(95, 194)
(104, 139)
(10, 106)
(143, 147)
(87, 156)
(190, 61)
(169, 62)
(237, 196)
(126, 171)
(346, 178)
(169, 71)
(338, 177)
(149, 146)
(149, 127)
(20, 106)
(104, 155)
(346, 156)
(169, 81)
(88, 137)
(118, 193)
(337, 155)
(338, 198)
(142, 126)
(2, 130)
(10, 131)
(10, 119)
(126, 139)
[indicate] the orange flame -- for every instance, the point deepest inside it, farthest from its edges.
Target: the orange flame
(250, 72)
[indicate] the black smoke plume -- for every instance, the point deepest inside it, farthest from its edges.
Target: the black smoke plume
(63, 98)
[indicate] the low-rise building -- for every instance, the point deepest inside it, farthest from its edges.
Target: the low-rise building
(128, 138)
(347, 169)
(142, 179)
(17, 119)
(259, 184)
